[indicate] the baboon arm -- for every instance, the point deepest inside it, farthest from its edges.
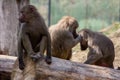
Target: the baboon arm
(75, 41)
(92, 59)
(94, 55)
(48, 45)
(20, 51)
(27, 44)
(70, 41)
(43, 44)
(20, 54)
(75, 35)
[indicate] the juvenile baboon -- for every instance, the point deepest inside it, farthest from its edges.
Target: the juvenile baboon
(101, 49)
(64, 37)
(34, 37)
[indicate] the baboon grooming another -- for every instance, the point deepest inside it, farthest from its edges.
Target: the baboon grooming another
(34, 37)
(101, 49)
(64, 37)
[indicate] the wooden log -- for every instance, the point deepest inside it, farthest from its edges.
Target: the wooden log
(6, 63)
(6, 66)
(61, 70)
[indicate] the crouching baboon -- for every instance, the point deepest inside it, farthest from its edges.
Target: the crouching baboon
(101, 49)
(34, 37)
(64, 37)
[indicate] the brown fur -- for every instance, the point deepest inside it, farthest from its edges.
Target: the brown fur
(33, 40)
(64, 37)
(34, 37)
(101, 49)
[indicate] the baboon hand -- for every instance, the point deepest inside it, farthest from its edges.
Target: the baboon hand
(21, 65)
(36, 56)
(48, 60)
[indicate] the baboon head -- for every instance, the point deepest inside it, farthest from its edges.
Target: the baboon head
(70, 24)
(84, 39)
(27, 13)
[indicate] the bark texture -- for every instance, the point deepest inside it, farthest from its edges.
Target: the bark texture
(59, 70)
(9, 25)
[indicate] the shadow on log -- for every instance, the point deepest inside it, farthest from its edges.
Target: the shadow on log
(61, 70)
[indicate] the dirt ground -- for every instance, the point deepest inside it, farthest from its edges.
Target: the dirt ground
(113, 32)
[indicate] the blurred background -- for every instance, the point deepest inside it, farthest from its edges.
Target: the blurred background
(93, 14)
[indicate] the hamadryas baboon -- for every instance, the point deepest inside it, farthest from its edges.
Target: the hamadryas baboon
(64, 37)
(101, 48)
(34, 37)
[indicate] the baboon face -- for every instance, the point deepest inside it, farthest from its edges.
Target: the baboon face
(27, 13)
(73, 30)
(73, 25)
(83, 42)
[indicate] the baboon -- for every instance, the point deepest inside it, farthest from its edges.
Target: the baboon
(101, 48)
(64, 37)
(34, 37)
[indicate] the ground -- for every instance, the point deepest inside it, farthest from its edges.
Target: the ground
(113, 32)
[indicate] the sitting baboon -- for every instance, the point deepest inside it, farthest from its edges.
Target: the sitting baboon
(34, 37)
(64, 37)
(101, 48)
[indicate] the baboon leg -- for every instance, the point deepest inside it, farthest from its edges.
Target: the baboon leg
(69, 55)
(103, 63)
(94, 55)
(41, 48)
(27, 44)
(43, 44)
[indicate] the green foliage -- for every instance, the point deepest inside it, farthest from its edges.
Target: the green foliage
(56, 11)
(113, 28)
(93, 24)
(93, 14)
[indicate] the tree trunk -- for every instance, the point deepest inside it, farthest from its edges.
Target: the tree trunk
(9, 12)
(59, 70)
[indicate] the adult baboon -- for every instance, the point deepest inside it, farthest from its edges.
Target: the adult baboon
(34, 36)
(101, 49)
(64, 37)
